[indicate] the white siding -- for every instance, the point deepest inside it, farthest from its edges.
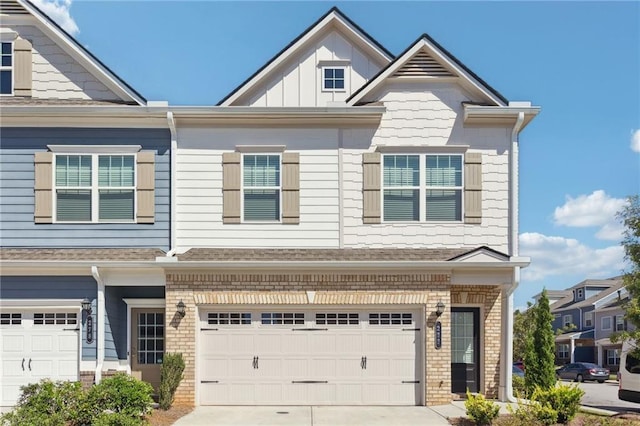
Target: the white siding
(298, 81)
(421, 114)
(56, 75)
(199, 189)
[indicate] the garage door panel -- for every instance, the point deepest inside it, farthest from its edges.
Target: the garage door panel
(296, 367)
(321, 342)
(349, 342)
(12, 344)
(350, 368)
(12, 367)
(213, 342)
(239, 343)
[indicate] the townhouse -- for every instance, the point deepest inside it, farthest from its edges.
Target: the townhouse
(340, 229)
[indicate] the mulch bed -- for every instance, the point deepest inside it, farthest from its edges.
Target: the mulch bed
(581, 419)
(165, 418)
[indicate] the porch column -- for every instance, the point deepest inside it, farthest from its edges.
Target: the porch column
(572, 348)
(600, 354)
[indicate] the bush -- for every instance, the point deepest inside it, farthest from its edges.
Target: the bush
(47, 403)
(519, 388)
(481, 411)
(565, 400)
(119, 394)
(170, 377)
(116, 419)
(534, 414)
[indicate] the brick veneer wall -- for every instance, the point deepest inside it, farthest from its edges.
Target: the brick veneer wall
(488, 299)
(289, 288)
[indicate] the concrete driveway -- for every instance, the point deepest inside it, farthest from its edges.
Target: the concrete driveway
(325, 415)
(313, 416)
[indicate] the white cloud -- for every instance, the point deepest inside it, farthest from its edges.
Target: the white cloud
(558, 256)
(58, 10)
(635, 141)
(596, 209)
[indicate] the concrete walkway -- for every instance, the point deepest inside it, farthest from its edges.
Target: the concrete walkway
(325, 415)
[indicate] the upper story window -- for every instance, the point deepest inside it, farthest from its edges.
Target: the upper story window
(606, 323)
(567, 320)
(6, 68)
(261, 187)
(588, 319)
(333, 79)
(94, 188)
(620, 326)
(422, 187)
(579, 294)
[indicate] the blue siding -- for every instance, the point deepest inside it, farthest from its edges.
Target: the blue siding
(116, 318)
(52, 287)
(559, 322)
(17, 228)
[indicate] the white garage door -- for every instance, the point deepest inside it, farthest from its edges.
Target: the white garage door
(325, 357)
(35, 345)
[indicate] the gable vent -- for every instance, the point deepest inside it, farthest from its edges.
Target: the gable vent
(12, 7)
(422, 65)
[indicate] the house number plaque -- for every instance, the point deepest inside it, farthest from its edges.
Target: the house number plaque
(89, 329)
(438, 334)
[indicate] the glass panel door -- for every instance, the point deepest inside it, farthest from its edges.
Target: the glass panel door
(465, 353)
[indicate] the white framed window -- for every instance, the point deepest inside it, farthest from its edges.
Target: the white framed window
(94, 187)
(606, 323)
(338, 318)
(55, 318)
(588, 319)
(563, 350)
(579, 293)
(394, 318)
(333, 78)
(613, 356)
(422, 187)
(567, 320)
(282, 318)
(10, 319)
(229, 318)
(6, 68)
(620, 323)
(261, 187)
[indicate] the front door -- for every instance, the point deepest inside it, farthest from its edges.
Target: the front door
(147, 343)
(465, 350)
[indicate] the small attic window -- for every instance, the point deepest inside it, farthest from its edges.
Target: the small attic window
(333, 78)
(579, 294)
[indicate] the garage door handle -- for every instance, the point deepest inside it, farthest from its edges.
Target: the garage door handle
(310, 329)
(309, 381)
(70, 329)
(363, 363)
(411, 381)
(209, 381)
(255, 362)
(22, 364)
(29, 364)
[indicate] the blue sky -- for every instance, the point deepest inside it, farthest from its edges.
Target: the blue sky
(580, 61)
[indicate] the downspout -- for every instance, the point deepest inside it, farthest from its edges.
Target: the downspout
(100, 335)
(507, 300)
(172, 176)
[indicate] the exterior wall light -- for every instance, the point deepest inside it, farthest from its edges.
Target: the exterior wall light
(86, 305)
(181, 308)
(439, 308)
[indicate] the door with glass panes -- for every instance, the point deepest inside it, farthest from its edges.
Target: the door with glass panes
(465, 350)
(147, 343)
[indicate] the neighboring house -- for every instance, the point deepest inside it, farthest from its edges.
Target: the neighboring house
(609, 318)
(84, 204)
(575, 321)
(340, 229)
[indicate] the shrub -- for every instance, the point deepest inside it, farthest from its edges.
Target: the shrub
(119, 394)
(481, 411)
(533, 413)
(562, 398)
(116, 419)
(170, 377)
(519, 388)
(47, 403)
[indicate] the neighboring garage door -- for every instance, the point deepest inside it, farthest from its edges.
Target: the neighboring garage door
(278, 356)
(35, 345)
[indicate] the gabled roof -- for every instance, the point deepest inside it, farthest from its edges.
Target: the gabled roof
(332, 17)
(484, 253)
(443, 57)
(80, 53)
(568, 303)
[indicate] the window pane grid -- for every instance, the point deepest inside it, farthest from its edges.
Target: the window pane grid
(150, 338)
(613, 356)
(261, 192)
(282, 318)
(333, 78)
(6, 68)
(337, 318)
(10, 319)
(462, 337)
(229, 318)
(394, 318)
(55, 318)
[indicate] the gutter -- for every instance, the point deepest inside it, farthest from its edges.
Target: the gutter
(172, 176)
(507, 300)
(100, 335)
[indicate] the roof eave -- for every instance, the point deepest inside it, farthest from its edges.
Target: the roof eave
(483, 115)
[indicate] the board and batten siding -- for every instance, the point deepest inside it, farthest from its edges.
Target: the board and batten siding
(298, 81)
(17, 228)
(199, 189)
(31, 289)
(55, 74)
(428, 115)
